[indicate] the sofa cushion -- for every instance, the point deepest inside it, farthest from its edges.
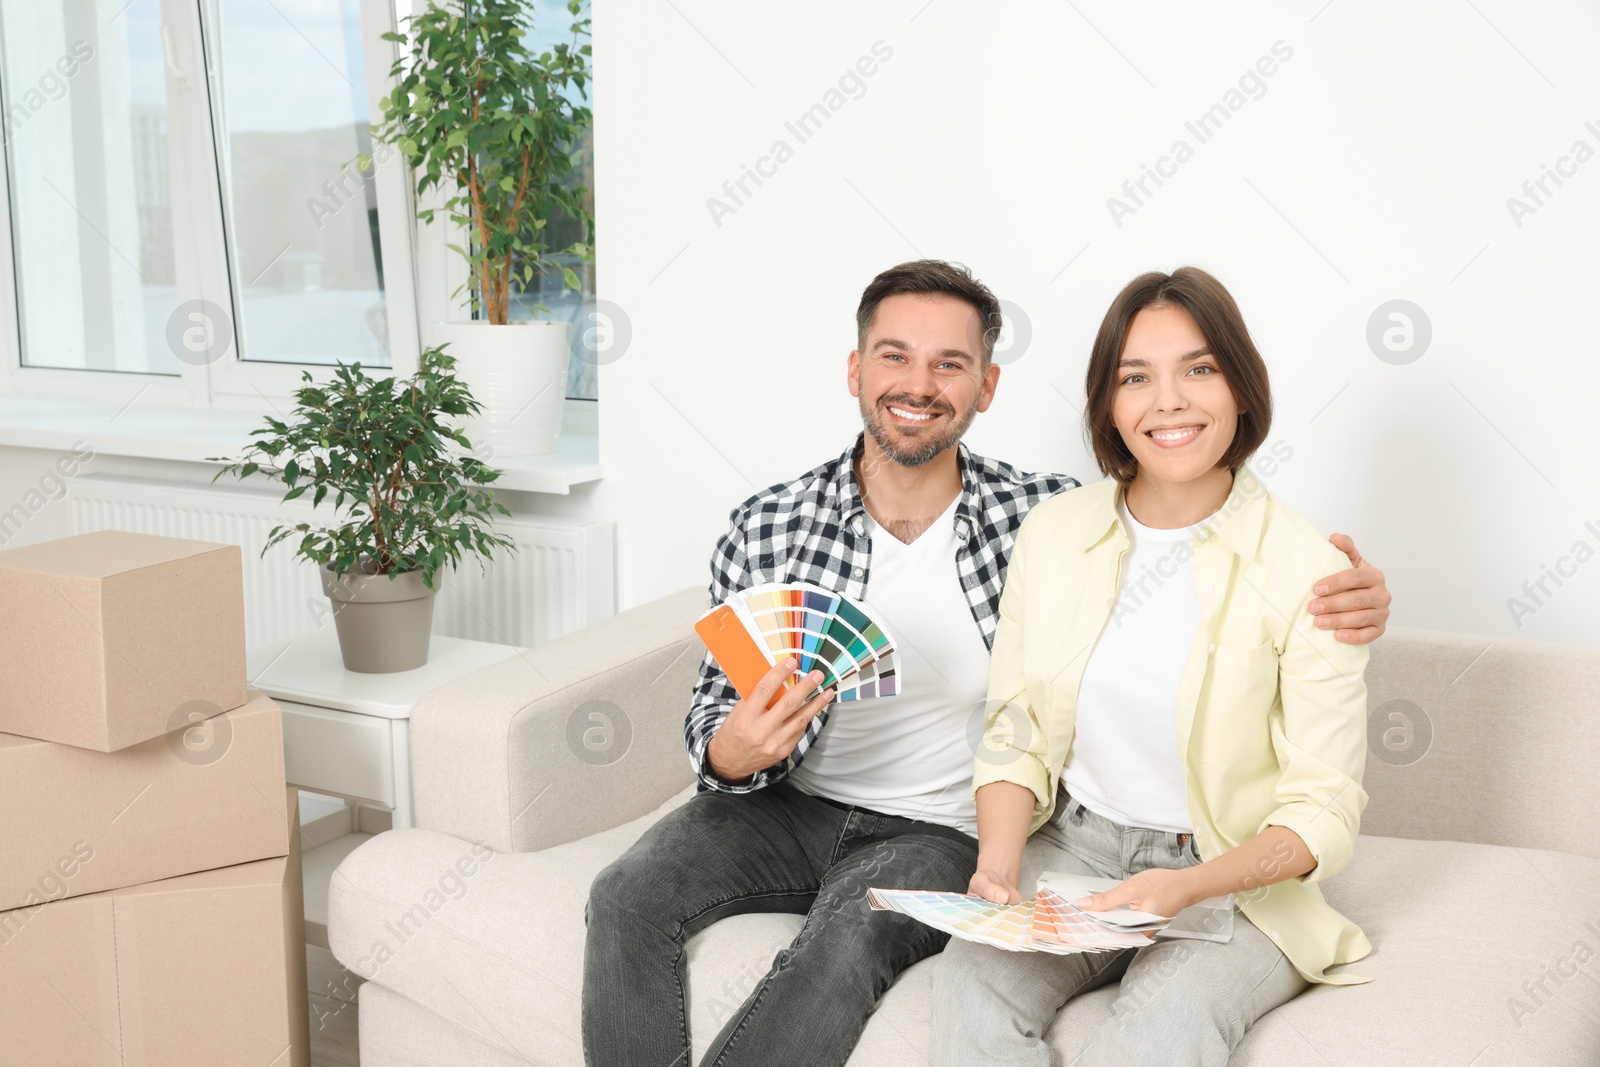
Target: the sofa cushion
(1458, 976)
(396, 1032)
(498, 951)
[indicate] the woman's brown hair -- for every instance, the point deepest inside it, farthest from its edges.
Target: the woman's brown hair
(1214, 311)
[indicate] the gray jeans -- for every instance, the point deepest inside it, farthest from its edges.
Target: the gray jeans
(1181, 1001)
(778, 849)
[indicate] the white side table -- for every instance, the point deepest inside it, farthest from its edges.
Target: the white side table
(348, 735)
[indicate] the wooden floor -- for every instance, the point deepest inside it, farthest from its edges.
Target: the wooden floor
(332, 991)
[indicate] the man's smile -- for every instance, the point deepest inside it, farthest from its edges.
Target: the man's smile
(912, 416)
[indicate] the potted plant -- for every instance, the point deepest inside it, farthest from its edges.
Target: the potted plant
(406, 505)
(475, 113)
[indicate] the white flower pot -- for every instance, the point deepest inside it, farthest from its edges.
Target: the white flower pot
(518, 372)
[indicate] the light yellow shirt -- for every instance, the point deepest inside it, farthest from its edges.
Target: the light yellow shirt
(1271, 712)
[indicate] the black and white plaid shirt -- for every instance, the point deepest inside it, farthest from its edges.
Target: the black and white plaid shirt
(814, 529)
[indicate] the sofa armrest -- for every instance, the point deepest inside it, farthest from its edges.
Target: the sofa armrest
(566, 739)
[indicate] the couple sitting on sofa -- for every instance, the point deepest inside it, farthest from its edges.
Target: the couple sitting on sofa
(1168, 692)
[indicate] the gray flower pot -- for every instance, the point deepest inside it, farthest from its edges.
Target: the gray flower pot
(383, 624)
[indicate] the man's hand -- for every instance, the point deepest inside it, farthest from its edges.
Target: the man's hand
(753, 737)
(1354, 604)
(994, 886)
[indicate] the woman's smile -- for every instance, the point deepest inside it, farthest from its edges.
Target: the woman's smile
(1175, 436)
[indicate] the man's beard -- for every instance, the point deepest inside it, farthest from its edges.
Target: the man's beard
(923, 448)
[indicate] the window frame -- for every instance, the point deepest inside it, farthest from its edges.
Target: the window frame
(202, 255)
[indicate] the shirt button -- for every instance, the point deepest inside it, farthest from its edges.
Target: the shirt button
(1211, 648)
(1276, 935)
(1209, 587)
(858, 572)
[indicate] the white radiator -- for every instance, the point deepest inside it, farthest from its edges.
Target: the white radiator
(559, 579)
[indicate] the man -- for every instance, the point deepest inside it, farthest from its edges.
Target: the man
(792, 817)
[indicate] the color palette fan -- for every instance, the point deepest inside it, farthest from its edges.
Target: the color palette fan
(755, 628)
(1049, 923)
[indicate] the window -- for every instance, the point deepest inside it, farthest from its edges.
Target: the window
(86, 128)
(186, 219)
(304, 254)
(246, 116)
(550, 26)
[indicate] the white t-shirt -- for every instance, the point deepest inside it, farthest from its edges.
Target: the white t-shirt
(911, 754)
(1124, 762)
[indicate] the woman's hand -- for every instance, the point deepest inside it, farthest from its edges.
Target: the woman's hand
(994, 886)
(1004, 810)
(1159, 891)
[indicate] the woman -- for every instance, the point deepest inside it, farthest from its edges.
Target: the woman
(1163, 713)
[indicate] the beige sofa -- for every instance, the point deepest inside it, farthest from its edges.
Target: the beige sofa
(1477, 876)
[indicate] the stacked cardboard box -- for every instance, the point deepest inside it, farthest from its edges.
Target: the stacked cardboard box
(150, 892)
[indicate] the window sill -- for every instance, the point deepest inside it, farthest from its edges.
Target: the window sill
(192, 435)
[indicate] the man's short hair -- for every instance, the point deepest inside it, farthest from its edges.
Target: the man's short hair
(932, 277)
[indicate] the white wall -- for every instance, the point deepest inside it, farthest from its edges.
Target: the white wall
(1374, 165)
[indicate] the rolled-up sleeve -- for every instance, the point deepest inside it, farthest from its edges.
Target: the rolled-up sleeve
(1321, 741)
(1013, 747)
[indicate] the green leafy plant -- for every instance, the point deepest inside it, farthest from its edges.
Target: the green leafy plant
(404, 499)
(476, 113)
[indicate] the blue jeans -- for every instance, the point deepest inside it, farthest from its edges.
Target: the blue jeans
(1181, 1002)
(777, 849)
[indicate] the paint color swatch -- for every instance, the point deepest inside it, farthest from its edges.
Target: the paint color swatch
(1206, 920)
(756, 628)
(970, 917)
(1057, 921)
(1048, 923)
(1051, 922)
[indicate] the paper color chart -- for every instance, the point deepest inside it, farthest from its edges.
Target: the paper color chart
(972, 918)
(822, 631)
(1057, 921)
(1046, 924)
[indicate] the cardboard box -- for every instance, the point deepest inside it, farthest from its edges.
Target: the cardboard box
(199, 971)
(109, 639)
(74, 821)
